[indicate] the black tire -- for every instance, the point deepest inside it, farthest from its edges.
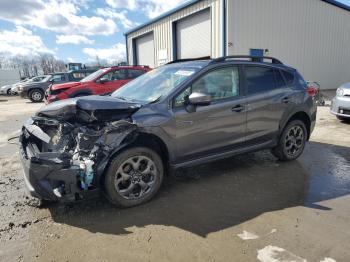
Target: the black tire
(345, 119)
(36, 95)
(8, 92)
(292, 141)
(133, 188)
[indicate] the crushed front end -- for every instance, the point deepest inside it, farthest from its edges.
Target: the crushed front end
(64, 154)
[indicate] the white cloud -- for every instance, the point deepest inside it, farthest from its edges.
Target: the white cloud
(114, 53)
(120, 16)
(21, 41)
(70, 60)
(60, 16)
(151, 8)
(73, 39)
(127, 4)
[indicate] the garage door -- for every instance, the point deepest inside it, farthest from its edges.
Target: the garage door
(193, 36)
(145, 50)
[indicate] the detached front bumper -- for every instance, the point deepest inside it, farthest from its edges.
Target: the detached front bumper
(341, 106)
(45, 175)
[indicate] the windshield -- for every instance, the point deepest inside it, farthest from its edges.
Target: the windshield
(156, 83)
(94, 75)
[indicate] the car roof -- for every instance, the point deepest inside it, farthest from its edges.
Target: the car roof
(212, 62)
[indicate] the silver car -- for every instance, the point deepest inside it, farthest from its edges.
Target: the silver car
(5, 90)
(341, 102)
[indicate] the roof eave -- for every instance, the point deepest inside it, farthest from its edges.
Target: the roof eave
(158, 18)
(192, 2)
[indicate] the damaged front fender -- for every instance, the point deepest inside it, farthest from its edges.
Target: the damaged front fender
(65, 161)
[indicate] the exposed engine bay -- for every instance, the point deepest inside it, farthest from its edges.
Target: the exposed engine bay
(67, 146)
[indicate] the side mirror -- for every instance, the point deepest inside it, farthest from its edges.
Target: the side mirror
(103, 80)
(199, 99)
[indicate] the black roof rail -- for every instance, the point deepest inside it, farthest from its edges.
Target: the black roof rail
(145, 66)
(224, 58)
(189, 59)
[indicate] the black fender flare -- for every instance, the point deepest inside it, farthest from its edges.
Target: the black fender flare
(296, 114)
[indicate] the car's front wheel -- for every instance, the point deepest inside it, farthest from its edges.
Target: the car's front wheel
(292, 141)
(134, 177)
(36, 95)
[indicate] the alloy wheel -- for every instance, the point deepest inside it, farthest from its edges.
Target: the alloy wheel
(37, 96)
(136, 177)
(294, 140)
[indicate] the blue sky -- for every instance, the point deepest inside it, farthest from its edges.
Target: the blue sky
(75, 30)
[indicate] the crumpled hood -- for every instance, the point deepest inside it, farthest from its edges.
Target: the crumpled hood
(89, 109)
(66, 85)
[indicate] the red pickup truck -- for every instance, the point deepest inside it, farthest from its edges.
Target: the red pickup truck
(104, 81)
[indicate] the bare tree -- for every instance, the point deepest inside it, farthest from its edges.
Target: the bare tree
(33, 65)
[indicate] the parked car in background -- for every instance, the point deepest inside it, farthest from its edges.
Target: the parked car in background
(178, 115)
(35, 91)
(36, 79)
(6, 90)
(104, 81)
(341, 103)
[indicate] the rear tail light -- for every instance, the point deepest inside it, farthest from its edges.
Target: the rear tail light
(312, 91)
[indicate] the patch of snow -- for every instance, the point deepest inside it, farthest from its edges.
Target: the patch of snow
(247, 235)
(277, 254)
(328, 259)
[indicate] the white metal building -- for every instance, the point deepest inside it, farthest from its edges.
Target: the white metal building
(310, 35)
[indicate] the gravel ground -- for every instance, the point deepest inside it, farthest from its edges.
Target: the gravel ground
(247, 208)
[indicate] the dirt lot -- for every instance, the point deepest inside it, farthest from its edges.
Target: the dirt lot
(247, 208)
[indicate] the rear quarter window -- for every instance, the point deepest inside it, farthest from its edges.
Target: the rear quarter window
(288, 76)
(280, 82)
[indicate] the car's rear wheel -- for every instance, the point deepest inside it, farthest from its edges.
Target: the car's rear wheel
(292, 141)
(134, 177)
(36, 95)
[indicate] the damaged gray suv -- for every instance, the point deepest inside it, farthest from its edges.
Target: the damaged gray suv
(179, 115)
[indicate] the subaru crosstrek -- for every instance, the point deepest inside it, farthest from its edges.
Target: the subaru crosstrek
(178, 115)
(103, 81)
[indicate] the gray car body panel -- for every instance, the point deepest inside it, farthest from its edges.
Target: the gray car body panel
(192, 135)
(225, 133)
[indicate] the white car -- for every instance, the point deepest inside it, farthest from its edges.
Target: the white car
(5, 90)
(341, 102)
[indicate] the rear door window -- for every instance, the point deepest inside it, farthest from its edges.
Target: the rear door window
(133, 73)
(259, 79)
(58, 78)
(119, 74)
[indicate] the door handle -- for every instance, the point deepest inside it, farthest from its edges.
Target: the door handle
(237, 108)
(285, 100)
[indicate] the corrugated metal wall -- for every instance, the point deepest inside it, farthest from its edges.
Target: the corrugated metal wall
(163, 32)
(311, 35)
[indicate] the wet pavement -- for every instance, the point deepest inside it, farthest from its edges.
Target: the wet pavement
(247, 208)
